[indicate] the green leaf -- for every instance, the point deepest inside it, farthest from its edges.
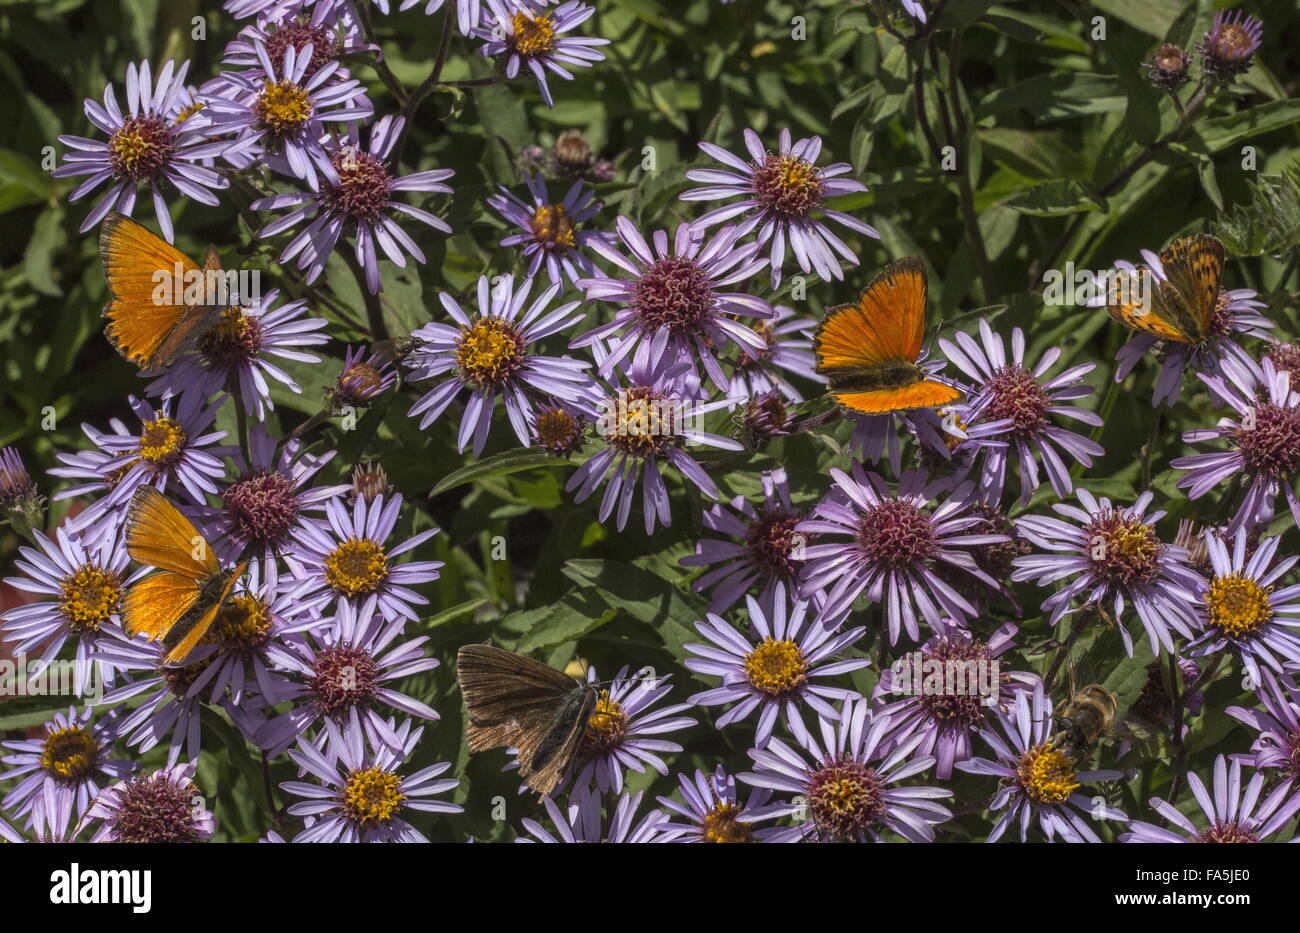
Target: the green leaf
(1056, 199)
(502, 464)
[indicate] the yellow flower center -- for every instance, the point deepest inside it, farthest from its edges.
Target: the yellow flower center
(282, 107)
(243, 622)
(1237, 605)
(89, 597)
(372, 796)
(720, 825)
(788, 185)
(532, 35)
(553, 227)
(776, 668)
(489, 352)
(189, 111)
(607, 725)
(1047, 775)
(358, 565)
(162, 441)
(69, 754)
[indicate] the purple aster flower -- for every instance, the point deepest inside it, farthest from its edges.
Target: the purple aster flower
(1277, 724)
(1229, 47)
(82, 581)
(1264, 443)
(842, 784)
(61, 772)
(356, 196)
(468, 12)
(713, 811)
(1115, 559)
(170, 449)
(278, 115)
(261, 508)
(1037, 780)
(1231, 816)
(897, 544)
(1235, 312)
(581, 821)
(1240, 608)
(784, 196)
(773, 671)
(361, 794)
(365, 376)
(947, 720)
(621, 732)
(278, 9)
(346, 670)
(787, 350)
(233, 354)
(552, 231)
(151, 144)
(166, 806)
(1006, 389)
(333, 31)
(346, 556)
(490, 354)
(769, 550)
(672, 297)
(645, 424)
(523, 34)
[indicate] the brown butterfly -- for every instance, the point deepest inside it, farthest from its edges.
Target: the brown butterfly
(520, 703)
(1182, 304)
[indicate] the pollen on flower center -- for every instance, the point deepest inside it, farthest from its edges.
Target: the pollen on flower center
(490, 351)
(356, 566)
(1237, 605)
(777, 668)
(1271, 446)
(155, 809)
(770, 540)
(721, 825)
(262, 506)
(243, 624)
(557, 429)
(553, 228)
(960, 710)
(372, 796)
(69, 754)
(642, 422)
(1227, 832)
(1047, 775)
(531, 35)
(363, 187)
(787, 185)
(89, 596)
(674, 293)
(283, 107)
(896, 533)
(343, 676)
(606, 727)
(1123, 549)
(162, 442)
(233, 340)
(845, 797)
(140, 149)
(1017, 395)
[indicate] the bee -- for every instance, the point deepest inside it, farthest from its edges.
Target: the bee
(1088, 715)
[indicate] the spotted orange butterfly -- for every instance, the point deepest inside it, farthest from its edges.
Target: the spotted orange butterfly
(148, 330)
(180, 602)
(1180, 306)
(868, 350)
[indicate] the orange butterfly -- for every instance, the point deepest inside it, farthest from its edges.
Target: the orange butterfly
(180, 603)
(868, 350)
(1180, 307)
(151, 325)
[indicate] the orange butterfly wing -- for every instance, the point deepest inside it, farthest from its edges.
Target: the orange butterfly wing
(182, 643)
(153, 605)
(924, 394)
(1178, 308)
(158, 534)
(887, 323)
(148, 332)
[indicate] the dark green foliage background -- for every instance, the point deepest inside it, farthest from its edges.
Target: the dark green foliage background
(1053, 120)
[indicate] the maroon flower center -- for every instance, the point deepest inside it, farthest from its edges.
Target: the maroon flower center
(234, 341)
(363, 187)
(154, 809)
(675, 293)
(298, 35)
(343, 676)
(1286, 358)
(1271, 446)
(769, 541)
(787, 185)
(557, 429)
(766, 415)
(961, 711)
(1123, 550)
(1227, 832)
(845, 797)
(897, 534)
(1018, 396)
(140, 149)
(262, 506)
